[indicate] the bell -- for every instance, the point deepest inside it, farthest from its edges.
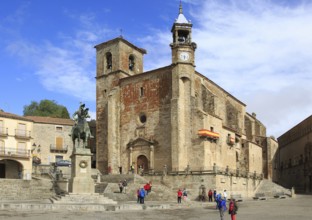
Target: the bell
(181, 39)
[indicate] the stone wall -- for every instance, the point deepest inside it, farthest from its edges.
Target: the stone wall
(145, 114)
(195, 183)
(45, 135)
(12, 189)
(294, 157)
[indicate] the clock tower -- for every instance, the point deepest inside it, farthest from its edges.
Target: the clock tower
(182, 46)
(183, 91)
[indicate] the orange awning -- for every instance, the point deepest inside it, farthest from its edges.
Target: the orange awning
(208, 133)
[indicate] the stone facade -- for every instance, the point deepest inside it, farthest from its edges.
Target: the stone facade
(294, 157)
(51, 140)
(16, 133)
(152, 119)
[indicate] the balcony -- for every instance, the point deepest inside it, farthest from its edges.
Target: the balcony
(14, 153)
(58, 149)
(22, 134)
(3, 132)
(209, 135)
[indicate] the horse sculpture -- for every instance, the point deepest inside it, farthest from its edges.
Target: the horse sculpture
(81, 131)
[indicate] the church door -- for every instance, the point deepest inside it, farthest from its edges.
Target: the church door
(142, 162)
(2, 170)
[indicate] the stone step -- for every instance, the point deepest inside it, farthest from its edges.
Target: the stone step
(159, 192)
(269, 189)
(82, 207)
(83, 199)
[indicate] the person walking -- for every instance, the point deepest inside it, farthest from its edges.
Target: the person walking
(225, 194)
(125, 184)
(180, 193)
(132, 168)
(214, 194)
(147, 188)
(184, 193)
(233, 209)
(138, 196)
(218, 199)
(142, 195)
(210, 195)
(120, 186)
(150, 186)
(222, 207)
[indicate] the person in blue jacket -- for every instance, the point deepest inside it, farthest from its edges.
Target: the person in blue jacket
(218, 198)
(142, 195)
(222, 207)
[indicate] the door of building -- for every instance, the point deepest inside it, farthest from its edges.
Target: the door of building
(2, 170)
(142, 162)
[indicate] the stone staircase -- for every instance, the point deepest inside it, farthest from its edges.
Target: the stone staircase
(109, 188)
(17, 189)
(94, 198)
(270, 189)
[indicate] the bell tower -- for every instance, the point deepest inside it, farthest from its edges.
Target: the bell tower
(183, 92)
(115, 59)
(182, 46)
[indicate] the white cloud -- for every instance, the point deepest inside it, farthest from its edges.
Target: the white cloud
(260, 51)
(65, 65)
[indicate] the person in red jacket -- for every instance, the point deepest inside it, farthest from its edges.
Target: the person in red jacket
(210, 195)
(233, 209)
(180, 193)
(147, 188)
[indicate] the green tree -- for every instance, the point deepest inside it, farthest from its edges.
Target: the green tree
(46, 108)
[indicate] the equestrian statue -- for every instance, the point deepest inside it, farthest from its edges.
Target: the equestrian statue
(81, 131)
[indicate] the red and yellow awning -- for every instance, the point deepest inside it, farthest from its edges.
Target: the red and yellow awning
(208, 133)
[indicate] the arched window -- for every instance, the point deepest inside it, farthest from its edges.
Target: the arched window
(131, 62)
(109, 60)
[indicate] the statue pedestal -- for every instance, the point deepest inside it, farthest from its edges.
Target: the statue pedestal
(81, 181)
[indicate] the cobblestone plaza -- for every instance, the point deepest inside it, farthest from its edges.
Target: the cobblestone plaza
(277, 209)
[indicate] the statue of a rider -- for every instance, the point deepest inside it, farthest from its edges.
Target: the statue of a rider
(81, 130)
(81, 114)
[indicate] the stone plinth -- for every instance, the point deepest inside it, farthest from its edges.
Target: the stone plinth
(81, 181)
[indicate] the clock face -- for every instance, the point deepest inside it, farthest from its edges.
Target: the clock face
(184, 56)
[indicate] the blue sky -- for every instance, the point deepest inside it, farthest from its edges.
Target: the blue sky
(258, 50)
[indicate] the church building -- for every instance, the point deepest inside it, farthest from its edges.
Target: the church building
(173, 116)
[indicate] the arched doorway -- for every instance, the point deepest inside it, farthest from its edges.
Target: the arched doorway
(142, 162)
(10, 169)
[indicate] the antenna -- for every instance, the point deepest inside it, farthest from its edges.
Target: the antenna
(120, 33)
(180, 8)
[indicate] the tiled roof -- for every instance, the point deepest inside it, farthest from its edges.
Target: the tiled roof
(50, 120)
(13, 116)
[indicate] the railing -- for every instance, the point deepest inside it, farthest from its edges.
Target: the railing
(3, 131)
(238, 172)
(14, 152)
(209, 170)
(24, 134)
(60, 149)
